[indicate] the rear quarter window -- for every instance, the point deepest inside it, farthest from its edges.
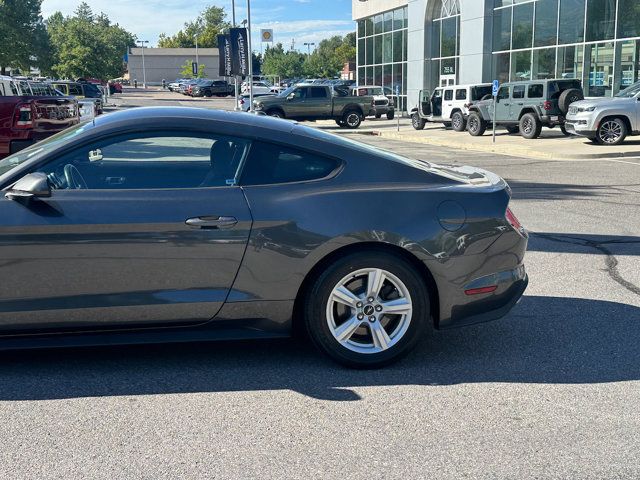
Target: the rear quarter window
(271, 164)
(461, 94)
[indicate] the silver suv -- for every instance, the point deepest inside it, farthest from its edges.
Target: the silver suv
(607, 121)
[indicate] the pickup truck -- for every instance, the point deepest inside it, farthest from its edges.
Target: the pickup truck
(209, 88)
(25, 120)
(318, 102)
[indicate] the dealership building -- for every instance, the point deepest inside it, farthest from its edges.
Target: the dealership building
(411, 45)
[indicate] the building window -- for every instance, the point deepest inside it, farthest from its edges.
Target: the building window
(382, 52)
(521, 66)
(628, 18)
(522, 26)
(571, 24)
(601, 19)
(546, 23)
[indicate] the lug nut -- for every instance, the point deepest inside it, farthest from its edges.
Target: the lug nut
(360, 316)
(372, 319)
(359, 304)
(370, 299)
(378, 308)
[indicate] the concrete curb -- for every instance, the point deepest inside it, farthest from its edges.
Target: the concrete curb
(502, 149)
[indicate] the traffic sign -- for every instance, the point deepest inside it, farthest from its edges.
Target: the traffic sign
(495, 87)
(194, 68)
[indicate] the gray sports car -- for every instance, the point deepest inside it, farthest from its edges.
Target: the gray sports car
(176, 224)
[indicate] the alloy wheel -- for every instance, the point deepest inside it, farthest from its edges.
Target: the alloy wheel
(457, 122)
(473, 124)
(353, 119)
(610, 131)
(527, 126)
(369, 310)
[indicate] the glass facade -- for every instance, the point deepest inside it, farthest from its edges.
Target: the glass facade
(382, 53)
(596, 41)
(444, 53)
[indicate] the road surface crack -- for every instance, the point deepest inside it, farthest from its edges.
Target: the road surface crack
(611, 262)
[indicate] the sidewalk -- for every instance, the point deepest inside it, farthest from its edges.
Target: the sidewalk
(552, 144)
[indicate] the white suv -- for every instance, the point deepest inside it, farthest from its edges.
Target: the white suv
(606, 121)
(448, 105)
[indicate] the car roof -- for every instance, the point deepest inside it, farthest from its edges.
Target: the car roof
(467, 85)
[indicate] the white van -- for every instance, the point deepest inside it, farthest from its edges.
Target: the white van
(448, 105)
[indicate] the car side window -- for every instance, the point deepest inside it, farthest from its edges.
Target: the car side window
(163, 160)
(269, 163)
(300, 93)
(448, 94)
(318, 92)
(535, 90)
(461, 94)
(75, 90)
(2, 93)
(503, 93)
(518, 91)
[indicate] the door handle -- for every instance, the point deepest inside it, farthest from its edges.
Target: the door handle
(211, 222)
(521, 103)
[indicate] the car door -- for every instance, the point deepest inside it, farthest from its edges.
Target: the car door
(503, 104)
(436, 105)
(143, 229)
(425, 103)
(447, 104)
(318, 102)
(295, 103)
(517, 102)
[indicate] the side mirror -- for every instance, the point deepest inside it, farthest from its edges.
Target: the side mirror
(291, 96)
(33, 185)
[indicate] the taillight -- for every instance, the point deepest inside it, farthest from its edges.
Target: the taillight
(547, 105)
(513, 221)
(23, 117)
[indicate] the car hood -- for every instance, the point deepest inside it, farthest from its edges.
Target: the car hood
(599, 102)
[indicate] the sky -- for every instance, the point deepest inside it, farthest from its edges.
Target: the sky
(302, 20)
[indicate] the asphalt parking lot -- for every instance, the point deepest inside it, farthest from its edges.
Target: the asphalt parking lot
(550, 391)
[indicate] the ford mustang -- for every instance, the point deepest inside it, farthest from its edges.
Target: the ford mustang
(176, 225)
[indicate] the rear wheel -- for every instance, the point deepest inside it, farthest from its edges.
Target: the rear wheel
(612, 131)
(458, 122)
(390, 115)
(476, 125)
(530, 126)
(352, 119)
(416, 122)
(367, 309)
(378, 115)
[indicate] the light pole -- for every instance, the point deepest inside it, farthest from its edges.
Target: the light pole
(309, 45)
(144, 71)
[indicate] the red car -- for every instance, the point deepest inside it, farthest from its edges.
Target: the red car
(26, 119)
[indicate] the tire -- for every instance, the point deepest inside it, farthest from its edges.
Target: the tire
(275, 113)
(339, 123)
(396, 334)
(458, 122)
(612, 131)
(391, 115)
(378, 115)
(512, 129)
(564, 131)
(530, 126)
(476, 125)
(416, 122)
(351, 119)
(568, 97)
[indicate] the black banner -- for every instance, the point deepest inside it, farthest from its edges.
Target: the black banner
(224, 52)
(239, 51)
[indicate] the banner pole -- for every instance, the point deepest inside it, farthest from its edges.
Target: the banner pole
(250, 56)
(235, 77)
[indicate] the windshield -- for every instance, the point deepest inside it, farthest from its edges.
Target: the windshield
(41, 148)
(629, 92)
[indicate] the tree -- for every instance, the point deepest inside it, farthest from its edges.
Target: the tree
(325, 62)
(285, 64)
(23, 41)
(206, 27)
(87, 45)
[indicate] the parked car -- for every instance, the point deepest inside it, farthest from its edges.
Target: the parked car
(26, 119)
(81, 90)
(526, 107)
(258, 87)
(114, 87)
(175, 86)
(243, 100)
(317, 102)
(607, 121)
(448, 105)
(209, 88)
(383, 104)
(363, 248)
